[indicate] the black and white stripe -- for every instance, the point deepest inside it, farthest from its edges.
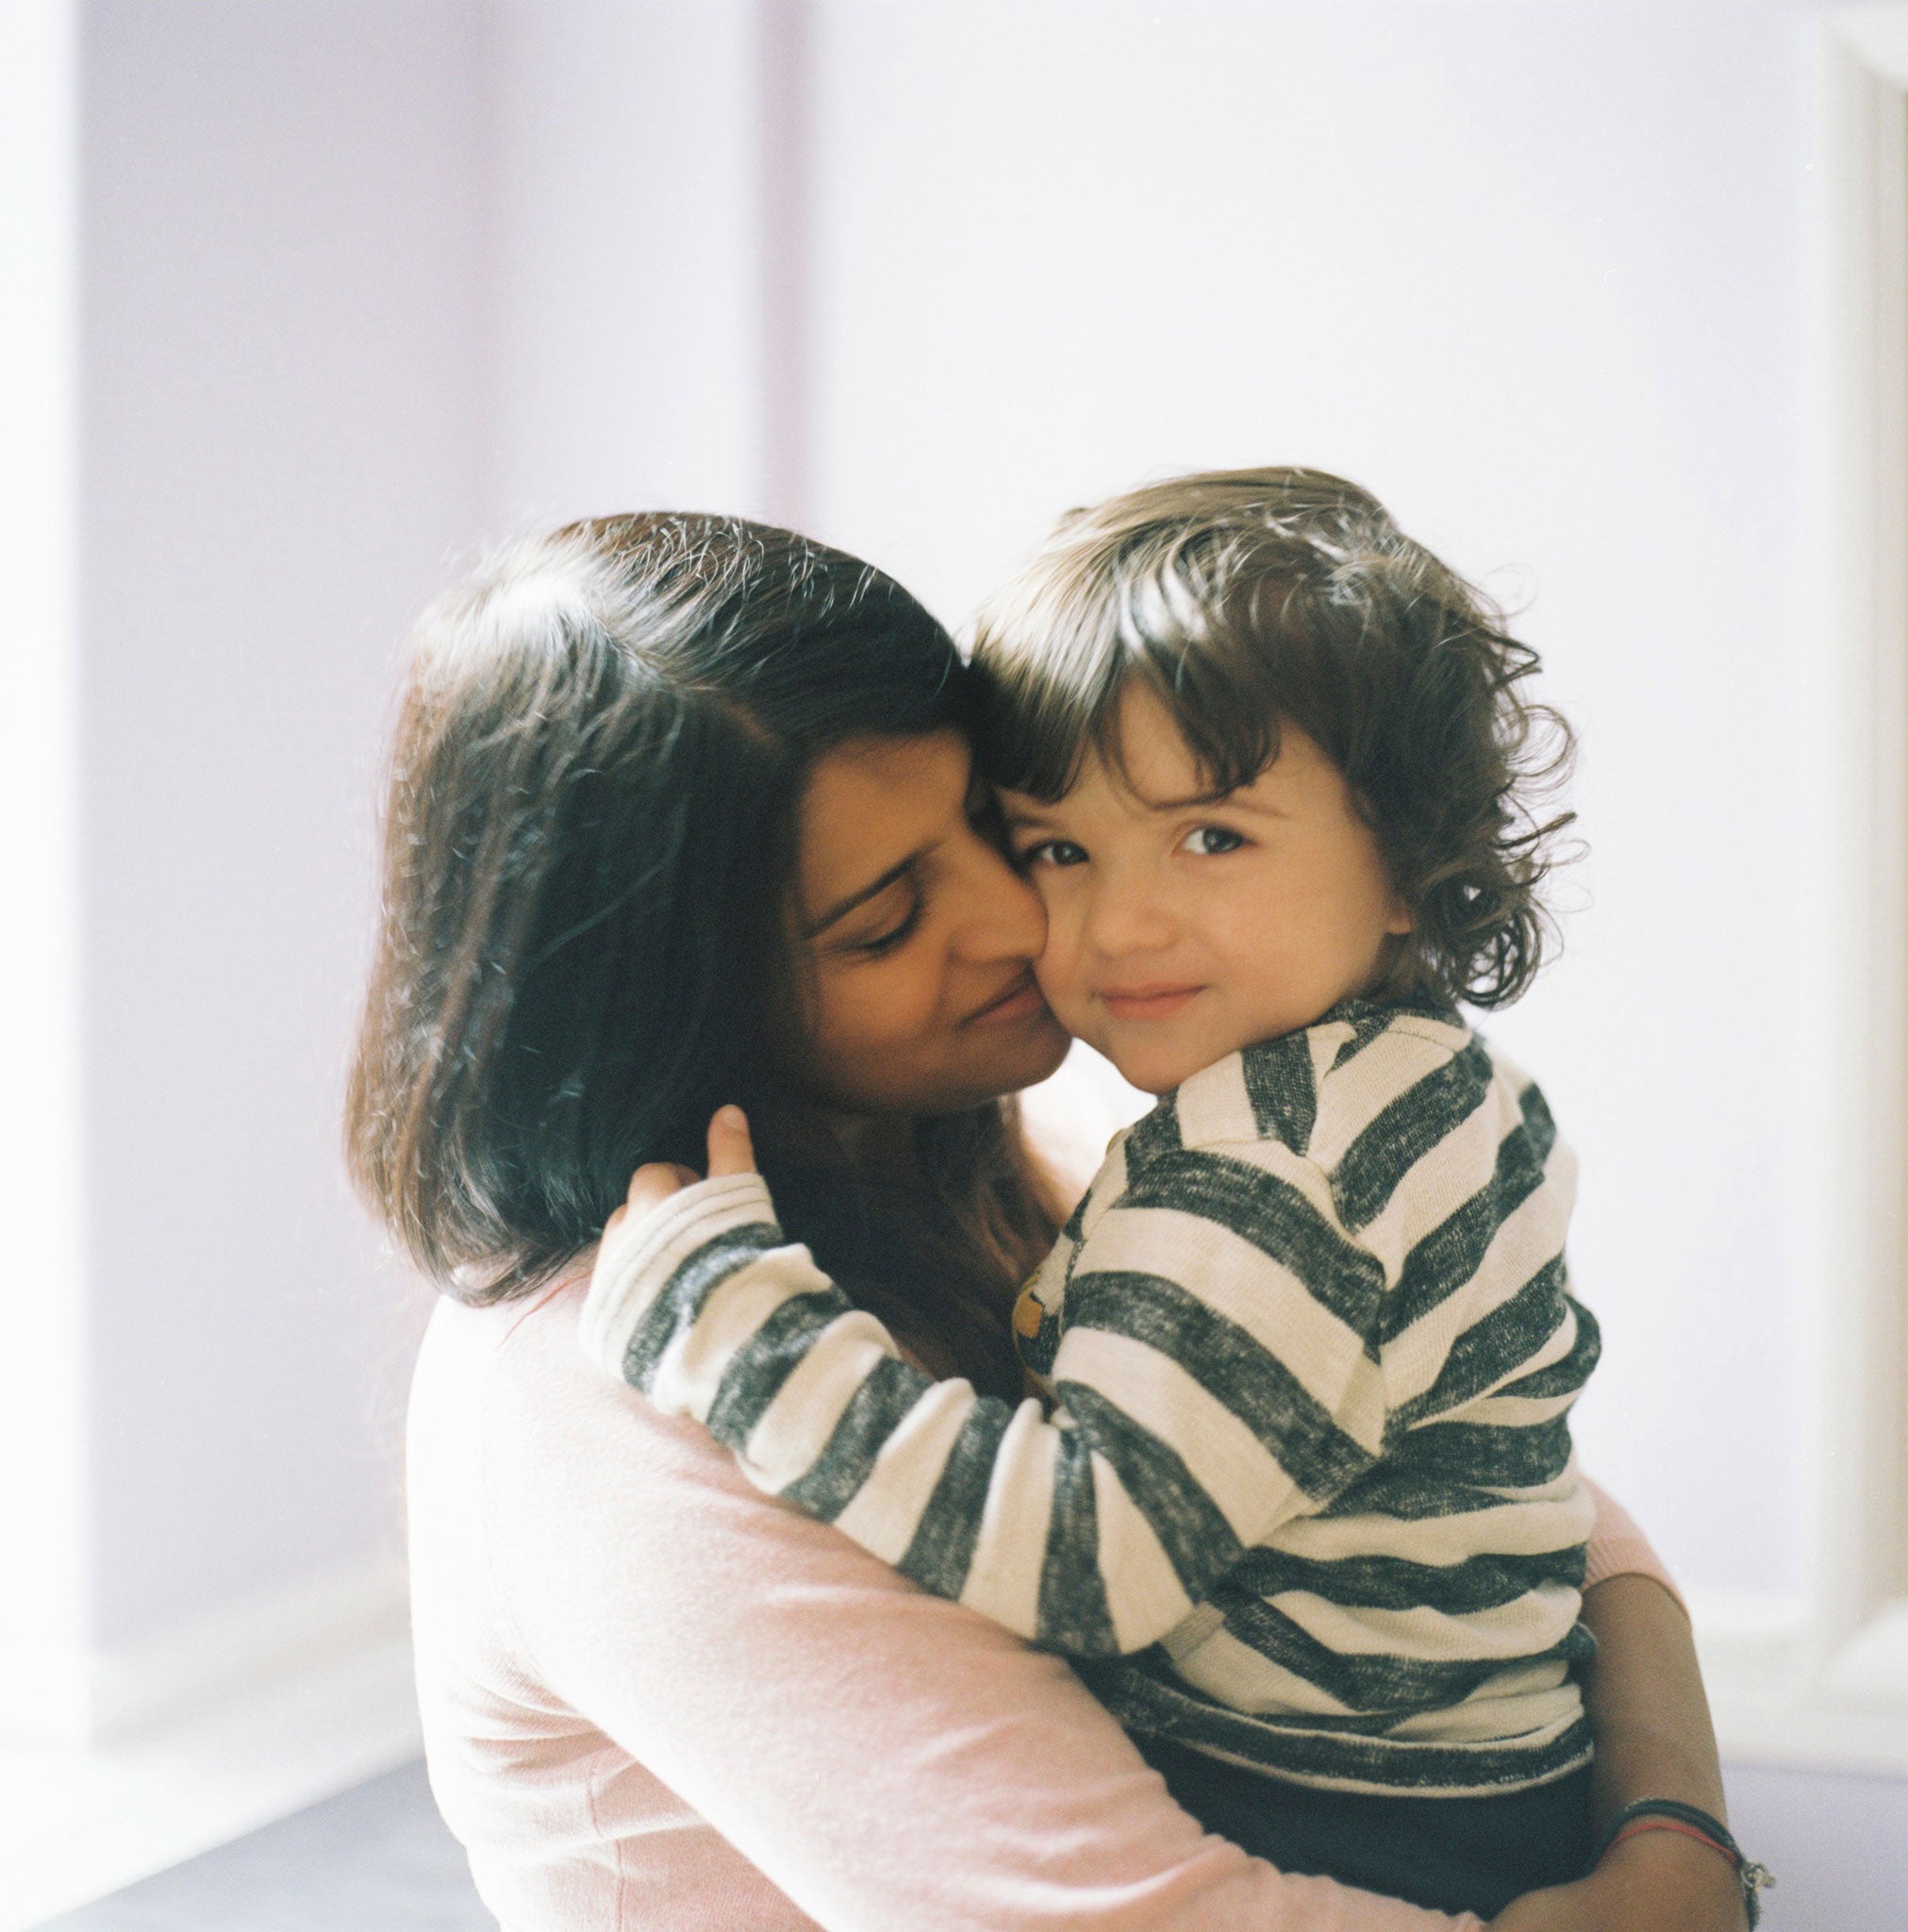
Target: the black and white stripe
(1312, 1350)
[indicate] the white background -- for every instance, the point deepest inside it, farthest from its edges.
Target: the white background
(360, 286)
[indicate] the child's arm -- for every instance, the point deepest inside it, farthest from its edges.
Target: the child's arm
(1182, 1437)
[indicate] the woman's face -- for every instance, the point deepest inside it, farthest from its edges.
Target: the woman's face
(914, 938)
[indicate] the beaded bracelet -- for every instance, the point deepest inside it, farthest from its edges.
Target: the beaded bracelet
(1667, 1814)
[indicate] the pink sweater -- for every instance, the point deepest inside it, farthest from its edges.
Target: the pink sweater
(655, 1697)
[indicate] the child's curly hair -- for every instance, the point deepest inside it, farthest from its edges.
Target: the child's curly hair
(1246, 597)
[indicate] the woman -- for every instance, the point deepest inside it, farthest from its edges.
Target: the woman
(683, 813)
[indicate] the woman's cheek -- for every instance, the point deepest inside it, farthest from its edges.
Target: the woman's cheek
(896, 1003)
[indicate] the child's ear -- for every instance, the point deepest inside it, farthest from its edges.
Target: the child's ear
(1401, 921)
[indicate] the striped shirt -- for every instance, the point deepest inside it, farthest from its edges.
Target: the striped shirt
(1306, 1500)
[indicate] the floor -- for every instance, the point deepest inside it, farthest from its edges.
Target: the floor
(79, 1824)
(379, 1859)
(375, 1859)
(1838, 1845)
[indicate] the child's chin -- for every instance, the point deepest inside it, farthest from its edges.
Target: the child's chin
(1155, 1075)
(1152, 1066)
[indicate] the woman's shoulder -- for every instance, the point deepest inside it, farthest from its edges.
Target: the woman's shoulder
(538, 1427)
(577, 1497)
(560, 1526)
(502, 1366)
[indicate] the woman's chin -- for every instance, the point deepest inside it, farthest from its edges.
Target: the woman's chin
(1022, 1056)
(1053, 1048)
(980, 1066)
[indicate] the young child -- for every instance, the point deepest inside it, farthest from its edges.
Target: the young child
(1305, 1509)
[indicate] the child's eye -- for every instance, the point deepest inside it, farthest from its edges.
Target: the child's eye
(1210, 840)
(1052, 852)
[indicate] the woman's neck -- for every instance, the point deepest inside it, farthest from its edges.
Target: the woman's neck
(878, 1147)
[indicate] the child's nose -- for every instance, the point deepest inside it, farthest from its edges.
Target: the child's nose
(1124, 916)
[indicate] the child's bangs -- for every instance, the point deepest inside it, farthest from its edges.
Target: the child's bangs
(1054, 680)
(1043, 710)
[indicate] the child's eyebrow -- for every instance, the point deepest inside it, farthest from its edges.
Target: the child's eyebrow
(1229, 800)
(1017, 816)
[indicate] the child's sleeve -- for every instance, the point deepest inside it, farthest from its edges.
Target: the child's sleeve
(1181, 1437)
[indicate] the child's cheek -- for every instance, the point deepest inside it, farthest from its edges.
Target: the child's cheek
(1061, 966)
(1050, 969)
(1056, 971)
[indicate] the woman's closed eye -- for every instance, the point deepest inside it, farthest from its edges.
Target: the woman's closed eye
(885, 936)
(1209, 841)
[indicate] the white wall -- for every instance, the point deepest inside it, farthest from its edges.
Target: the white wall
(280, 369)
(628, 172)
(1533, 275)
(364, 283)
(42, 1520)
(359, 286)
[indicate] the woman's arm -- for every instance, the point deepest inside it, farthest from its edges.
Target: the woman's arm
(1655, 1740)
(885, 1757)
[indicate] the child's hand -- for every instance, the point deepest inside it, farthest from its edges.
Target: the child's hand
(730, 1152)
(646, 1239)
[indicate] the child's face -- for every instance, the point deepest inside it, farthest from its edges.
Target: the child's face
(1179, 931)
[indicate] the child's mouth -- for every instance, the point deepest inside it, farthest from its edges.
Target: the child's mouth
(1147, 1002)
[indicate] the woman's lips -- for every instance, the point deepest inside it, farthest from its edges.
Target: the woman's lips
(1147, 1002)
(1021, 1001)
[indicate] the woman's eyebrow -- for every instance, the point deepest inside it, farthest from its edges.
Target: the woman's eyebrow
(873, 889)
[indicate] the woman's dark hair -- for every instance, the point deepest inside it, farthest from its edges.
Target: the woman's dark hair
(1244, 598)
(589, 849)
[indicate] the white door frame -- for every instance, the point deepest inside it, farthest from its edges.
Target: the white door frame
(1834, 1690)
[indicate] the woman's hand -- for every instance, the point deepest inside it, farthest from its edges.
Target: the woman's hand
(731, 1151)
(1655, 1740)
(1658, 1881)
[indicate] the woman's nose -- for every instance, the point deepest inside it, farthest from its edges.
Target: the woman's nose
(1004, 919)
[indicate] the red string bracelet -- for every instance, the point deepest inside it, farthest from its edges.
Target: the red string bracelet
(1703, 1837)
(1668, 1814)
